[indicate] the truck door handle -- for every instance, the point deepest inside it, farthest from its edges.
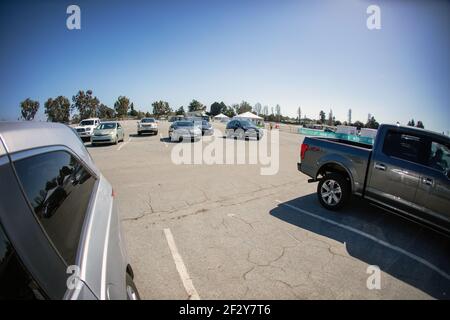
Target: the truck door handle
(427, 181)
(380, 166)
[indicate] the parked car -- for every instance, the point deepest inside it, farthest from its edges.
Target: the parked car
(207, 129)
(242, 129)
(60, 234)
(86, 128)
(185, 129)
(147, 125)
(108, 132)
(406, 171)
(176, 118)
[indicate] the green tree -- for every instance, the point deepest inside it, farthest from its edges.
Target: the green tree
(229, 112)
(372, 123)
(121, 106)
(257, 108)
(244, 106)
(411, 123)
(104, 112)
(217, 108)
(28, 109)
(85, 103)
(148, 114)
(420, 124)
(322, 116)
(358, 124)
(58, 109)
(133, 112)
(180, 111)
(161, 108)
(196, 106)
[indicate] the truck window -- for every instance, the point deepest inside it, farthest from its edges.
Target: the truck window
(59, 189)
(405, 146)
(15, 281)
(439, 157)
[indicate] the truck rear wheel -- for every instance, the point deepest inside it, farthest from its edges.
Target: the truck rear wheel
(333, 191)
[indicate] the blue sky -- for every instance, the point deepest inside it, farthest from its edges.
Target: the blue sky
(313, 54)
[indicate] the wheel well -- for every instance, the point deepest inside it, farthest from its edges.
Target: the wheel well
(130, 271)
(334, 167)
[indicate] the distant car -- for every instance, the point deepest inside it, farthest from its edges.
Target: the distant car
(147, 125)
(86, 127)
(207, 129)
(60, 234)
(108, 132)
(185, 129)
(176, 118)
(242, 129)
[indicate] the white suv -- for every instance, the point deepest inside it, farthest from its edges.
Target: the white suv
(86, 127)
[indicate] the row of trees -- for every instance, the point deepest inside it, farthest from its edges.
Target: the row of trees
(85, 105)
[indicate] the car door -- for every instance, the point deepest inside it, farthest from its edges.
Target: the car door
(58, 190)
(395, 170)
(231, 126)
(433, 194)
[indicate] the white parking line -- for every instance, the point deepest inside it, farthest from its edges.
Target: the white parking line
(375, 239)
(181, 268)
(123, 144)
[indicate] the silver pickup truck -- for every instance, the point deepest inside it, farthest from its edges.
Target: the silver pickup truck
(406, 171)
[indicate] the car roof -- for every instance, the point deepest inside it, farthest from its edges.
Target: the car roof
(20, 136)
(90, 119)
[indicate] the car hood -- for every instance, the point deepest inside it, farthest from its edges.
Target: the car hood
(105, 131)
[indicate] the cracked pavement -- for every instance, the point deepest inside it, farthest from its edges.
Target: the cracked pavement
(238, 242)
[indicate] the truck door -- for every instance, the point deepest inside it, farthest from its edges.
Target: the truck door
(433, 193)
(395, 170)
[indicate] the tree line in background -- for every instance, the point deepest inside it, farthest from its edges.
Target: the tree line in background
(85, 105)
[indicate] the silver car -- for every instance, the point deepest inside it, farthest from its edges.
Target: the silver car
(60, 234)
(108, 132)
(185, 130)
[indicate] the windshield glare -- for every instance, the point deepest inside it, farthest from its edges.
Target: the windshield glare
(105, 126)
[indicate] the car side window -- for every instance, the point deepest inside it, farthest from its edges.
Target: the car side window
(15, 281)
(59, 189)
(439, 158)
(406, 146)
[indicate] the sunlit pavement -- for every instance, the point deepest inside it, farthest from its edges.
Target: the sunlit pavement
(227, 232)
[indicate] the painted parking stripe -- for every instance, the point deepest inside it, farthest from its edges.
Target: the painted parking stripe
(375, 239)
(181, 268)
(123, 144)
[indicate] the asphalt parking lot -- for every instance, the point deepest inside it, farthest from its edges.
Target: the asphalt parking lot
(225, 231)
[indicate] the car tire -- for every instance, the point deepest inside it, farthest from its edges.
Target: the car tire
(117, 140)
(333, 191)
(257, 137)
(139, 133)
(132, 291)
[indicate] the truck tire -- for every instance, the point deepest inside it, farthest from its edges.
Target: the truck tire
(333, 191)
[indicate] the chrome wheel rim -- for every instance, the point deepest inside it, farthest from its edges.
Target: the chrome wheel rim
(131, 294)
(331, 192)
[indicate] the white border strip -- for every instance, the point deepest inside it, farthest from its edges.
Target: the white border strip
(375, 239)
(181, 268)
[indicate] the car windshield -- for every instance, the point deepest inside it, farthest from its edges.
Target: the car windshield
(87, 123)
(246, 123)
(105, 126)
(184, 124)
(148, 120)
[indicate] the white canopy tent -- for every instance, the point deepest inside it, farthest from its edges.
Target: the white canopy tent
(250, 117)
(221, 117)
